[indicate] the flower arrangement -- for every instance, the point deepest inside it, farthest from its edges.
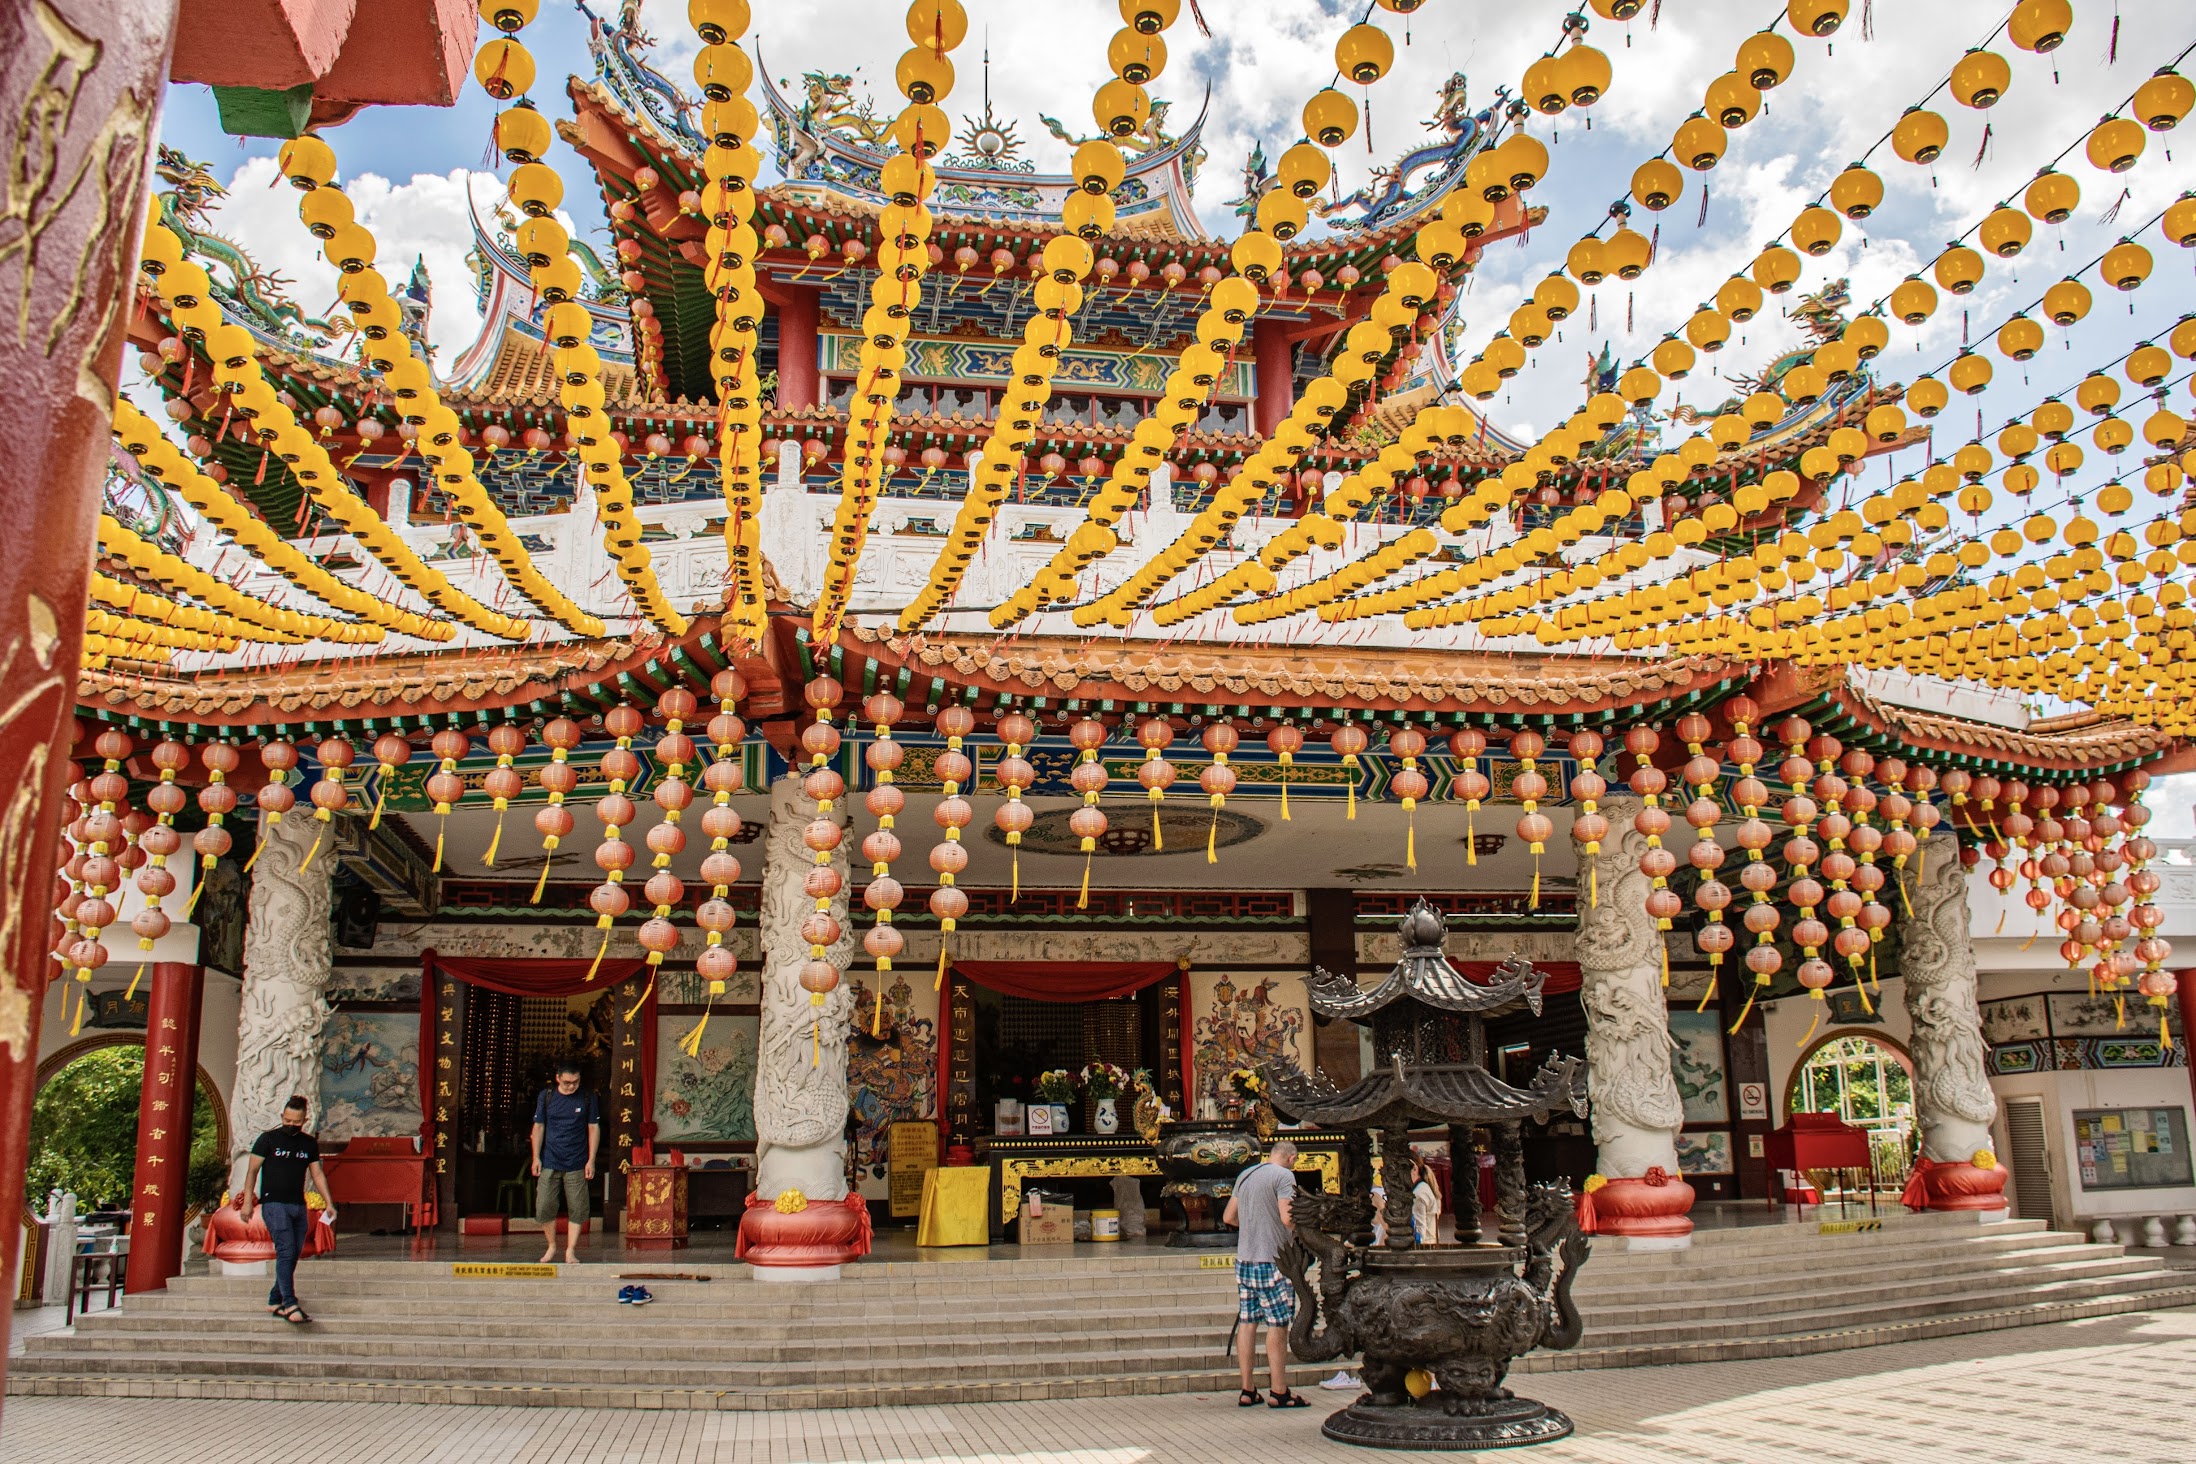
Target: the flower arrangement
(1246, 1083)
(1104, 1080)
(1056, 1086)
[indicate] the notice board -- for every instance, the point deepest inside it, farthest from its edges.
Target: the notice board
(911, 1153)
(2132, 1148)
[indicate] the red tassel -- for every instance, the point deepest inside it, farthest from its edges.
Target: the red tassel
(2112, 52)
(1983, 151)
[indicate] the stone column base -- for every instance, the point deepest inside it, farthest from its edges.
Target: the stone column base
(824, 1234)
(1655, 1205)
(1955, 1186)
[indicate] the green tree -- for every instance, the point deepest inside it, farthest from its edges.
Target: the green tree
(84, 1133)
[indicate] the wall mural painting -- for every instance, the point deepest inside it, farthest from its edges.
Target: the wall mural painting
(1696, 1061)
(369, 1075)
(891, 1077)
(1242, 1026)
(709, 1098)
(1705, 1153)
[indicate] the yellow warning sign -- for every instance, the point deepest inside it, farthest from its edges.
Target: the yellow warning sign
(1847, 1227)
(1216, 1263)
(503, 1270)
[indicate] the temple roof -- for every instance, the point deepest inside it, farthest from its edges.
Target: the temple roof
(1411, 1093)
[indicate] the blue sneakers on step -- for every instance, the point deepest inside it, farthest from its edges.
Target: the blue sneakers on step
(634, 1296)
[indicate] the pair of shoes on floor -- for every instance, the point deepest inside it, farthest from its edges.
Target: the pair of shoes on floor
(634, 1296)
(1341, 1382)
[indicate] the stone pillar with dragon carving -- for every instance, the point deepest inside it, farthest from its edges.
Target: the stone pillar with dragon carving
(287, 961)
(1953, 1100)
(1636, 1108)
(802, 1221)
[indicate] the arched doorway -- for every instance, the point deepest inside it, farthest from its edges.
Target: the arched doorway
(1867, 1081)
(84, 1127)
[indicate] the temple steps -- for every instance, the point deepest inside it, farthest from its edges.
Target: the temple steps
(1134, 1321)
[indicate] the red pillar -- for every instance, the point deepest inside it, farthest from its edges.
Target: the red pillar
(1274, 363)
(79, 108)
(164, 1112)
(796, 311)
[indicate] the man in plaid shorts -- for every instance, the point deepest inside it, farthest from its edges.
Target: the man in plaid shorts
(1259, 1209)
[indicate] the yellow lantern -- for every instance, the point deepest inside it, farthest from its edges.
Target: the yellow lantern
(2018, 440)
(1699, 143)
(1972, 462)
(1524, 158)
(1304, 170)
(1585, 261)
(1856, 192)
(1803, 385)
(522, 134)
(1816, 231)
(1364, 54)
(1920, 136)
(1542, 87)
(1469, 210)
(1657, 183)
(2115, 145)
(1627, 253)
(2020, 338)
(2066, 302)
(1816, 18)
(1913, 301)
(2052, 197)
(1836, 360)
(1708, 330)
(1098, 167)
(504, 69)
(1886, 424)
(1440, 244)
(1330, 118)
(1585, 73)
(1255, 256)
(925, 75)
(2182, 338)
(1959, 269)
(1673, 358)
(307, 162)
(2006, 231)
(2147, 365)
(1927, 397)
(2162, 101)
(1135, 58)
(2052, 419)
(1486, 176)
(1529, 325)
(2164, 429)
(1867, 335)
(2098, 394)
(2179, 222)
(1639, 386)
(1283, 215)
(1505, 356)
(1556, 296)
(1733, 100)
(2126, 265)
(1980, 78)
(1776, 269)
(1617, 9)
(1970, 373)
(2039, 25)
(1739, 298)
(1765, 59)
(2112, 436)
(2063, 458)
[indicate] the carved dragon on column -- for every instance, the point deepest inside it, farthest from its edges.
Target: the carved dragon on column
(1952, 1095)
(1637, 1110)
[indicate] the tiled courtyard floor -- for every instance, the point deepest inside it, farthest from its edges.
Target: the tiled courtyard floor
(2110, 1389)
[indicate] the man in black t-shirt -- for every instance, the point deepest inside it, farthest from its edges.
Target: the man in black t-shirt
(284, 1160)
(567, 1133)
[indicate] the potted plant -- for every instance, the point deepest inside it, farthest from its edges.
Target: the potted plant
(1056, 1089)
(1103, 1082)
(1244, 1090)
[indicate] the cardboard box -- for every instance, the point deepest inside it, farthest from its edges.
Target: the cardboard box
(1056, 1226)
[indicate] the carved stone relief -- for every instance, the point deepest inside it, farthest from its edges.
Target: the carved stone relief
(286, 968)
(800, 1070)
(1636, 1108)
(1952, 1094)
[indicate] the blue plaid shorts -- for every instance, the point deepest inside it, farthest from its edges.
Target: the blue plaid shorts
(1263, 1294)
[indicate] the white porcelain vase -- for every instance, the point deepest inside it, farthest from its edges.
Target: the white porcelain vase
(1105, 1120)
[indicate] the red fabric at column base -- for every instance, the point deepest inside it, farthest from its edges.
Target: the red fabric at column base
(1954, 1186)
(165, 1106)
(1656, 1204)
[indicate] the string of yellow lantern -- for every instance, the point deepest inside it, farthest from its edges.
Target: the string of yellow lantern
(505, 71)
(163, 460)
(269, 622)
(349, 245)
(184, 288)
(137, 603)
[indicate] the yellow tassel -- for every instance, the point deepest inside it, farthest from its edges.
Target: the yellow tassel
(1866, 1005)
(380, 799)
(816, 1048)
(691, 1043)
(1536, 887)
(939, 984)
(600, 951)
(78, 1025)
(1212, 840)
(2000, 930)
(1082, 896)
(1353, 796)
(1906, 899)
(2165, 1038)
(1158, 833)
(440, 829)
(542, 883)
(133, 982)
(1709, 995)
(257, 850)
(1593, 885)
(1811, 1026)
(2119, 1013)
(495, 842)
(1665, 961)
(1015, 892)
(1921, 870)
(1284, 795)
(1872, 978)
(650, 987)
(1410, 842)
(1750, 995)
(307, 862)
(877, 1015)
(1471, 841)
(196, 890)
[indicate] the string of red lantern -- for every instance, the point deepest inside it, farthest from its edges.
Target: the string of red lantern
(883, 893)
(1015, 774)
(665, 891)
(1348, 740)
(1759, 876)
(558, 778)
(1217, 780)
(720, 868)
(1089, 778)
(276, 797)
(614, 856)
(1653, 821)
(819, 978)
(1284, 742)
(503, 781)
(217, 800)
(1529, 787)
(953, 814)
(1470, 784)
(166, 800)
(1712, 895)
(330, 794)
(1591, 826)
(1410, 785)
(444, 786)
(1156, 734)
(391, 751)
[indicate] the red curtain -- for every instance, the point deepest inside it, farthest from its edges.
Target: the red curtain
(1561, 976)
(531, 977)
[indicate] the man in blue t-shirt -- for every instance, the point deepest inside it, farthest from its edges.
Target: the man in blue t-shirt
(567, 1132)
